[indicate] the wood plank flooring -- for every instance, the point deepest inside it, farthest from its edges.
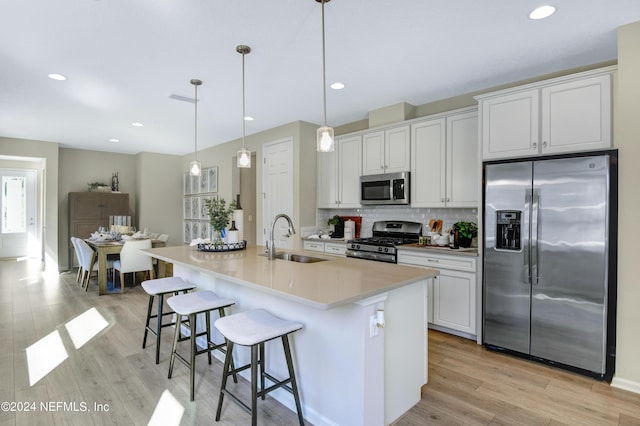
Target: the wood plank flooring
(467, 384)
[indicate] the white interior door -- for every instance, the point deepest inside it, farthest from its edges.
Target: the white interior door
(277, 184)
(18, 230)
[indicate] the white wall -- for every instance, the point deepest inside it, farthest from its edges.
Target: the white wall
(627, 140)
(48, 152)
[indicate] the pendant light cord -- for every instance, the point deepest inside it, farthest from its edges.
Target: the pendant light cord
(196, 123)
(324, 76)
(244, 124)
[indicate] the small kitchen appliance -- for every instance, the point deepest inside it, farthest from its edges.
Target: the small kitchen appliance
(388, 188)
(387, 235)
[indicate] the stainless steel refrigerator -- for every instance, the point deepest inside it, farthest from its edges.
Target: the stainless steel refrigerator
(550, 229)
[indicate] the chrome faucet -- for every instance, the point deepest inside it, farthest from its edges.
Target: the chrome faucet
(271, 247)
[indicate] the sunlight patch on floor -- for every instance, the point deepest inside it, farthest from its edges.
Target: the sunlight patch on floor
(168, 412)
(45, 355)
(85, 326)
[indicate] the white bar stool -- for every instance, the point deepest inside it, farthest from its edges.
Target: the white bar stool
(159, 287)
(254, 328)
(190, 305)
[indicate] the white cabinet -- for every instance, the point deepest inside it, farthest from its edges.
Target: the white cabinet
(338, 177)
(336, 248)
(444, 161)
(453, 296)
(566, 114)
(386, 151)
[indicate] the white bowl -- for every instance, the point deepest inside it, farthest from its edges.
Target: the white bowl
(442, 242)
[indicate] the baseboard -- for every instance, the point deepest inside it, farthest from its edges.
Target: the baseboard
(625, 384)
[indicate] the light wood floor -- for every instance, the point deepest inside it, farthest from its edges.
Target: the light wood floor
(467, 384)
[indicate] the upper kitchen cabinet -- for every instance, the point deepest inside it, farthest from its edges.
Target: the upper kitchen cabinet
(566, 114)
(339, 174)
(444, 160)
(386, 151)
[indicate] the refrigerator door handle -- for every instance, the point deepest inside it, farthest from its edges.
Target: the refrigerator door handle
(535, 211)
(528, 195)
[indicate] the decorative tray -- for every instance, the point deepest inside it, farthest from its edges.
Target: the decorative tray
(222, 246)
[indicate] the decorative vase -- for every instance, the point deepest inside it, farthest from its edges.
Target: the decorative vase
(216, 238)
(464, 242)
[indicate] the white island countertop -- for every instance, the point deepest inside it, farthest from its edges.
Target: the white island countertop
(322, 285)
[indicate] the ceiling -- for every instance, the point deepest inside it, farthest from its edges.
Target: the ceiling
(123, 59)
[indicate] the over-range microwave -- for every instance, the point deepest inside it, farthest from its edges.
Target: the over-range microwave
(388, 188)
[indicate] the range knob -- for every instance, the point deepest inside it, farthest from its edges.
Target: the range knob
(356, 246)
(386, 249)
(380, 249)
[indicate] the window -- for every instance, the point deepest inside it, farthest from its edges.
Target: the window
(14, 204)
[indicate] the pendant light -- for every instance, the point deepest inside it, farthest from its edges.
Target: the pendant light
(244, 155)
(325, 133)
(195, 167)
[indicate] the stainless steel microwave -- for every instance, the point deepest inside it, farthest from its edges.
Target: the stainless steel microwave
(388, 188)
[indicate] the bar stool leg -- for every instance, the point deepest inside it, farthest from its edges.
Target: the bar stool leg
(159, 327)
(254, 384)
(146, 326)
(261, 362)
(207, 317)
(225, 374)
(192, 323)
(175, 344)
(294, 385)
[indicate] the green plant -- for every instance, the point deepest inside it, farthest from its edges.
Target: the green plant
(466, 229)
(334, 220)
(219, 212)
(95, 185)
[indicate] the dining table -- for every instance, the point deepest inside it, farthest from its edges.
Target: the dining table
(103, 248)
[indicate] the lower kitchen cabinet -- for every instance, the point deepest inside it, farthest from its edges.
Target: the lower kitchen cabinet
(452, 295)
(337, 248)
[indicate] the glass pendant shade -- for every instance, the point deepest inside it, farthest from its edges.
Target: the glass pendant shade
(325, 139)
(244, 158)
(194, 168)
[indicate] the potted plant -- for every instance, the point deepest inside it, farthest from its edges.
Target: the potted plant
(219, 216)
(332, 222)
(466, 232)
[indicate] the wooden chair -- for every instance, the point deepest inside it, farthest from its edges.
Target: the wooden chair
(133, 260)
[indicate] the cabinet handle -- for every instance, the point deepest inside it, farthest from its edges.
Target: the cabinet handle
(535, 145)
(442, 200)
(433, 260)
(448, 199)
(544, 144)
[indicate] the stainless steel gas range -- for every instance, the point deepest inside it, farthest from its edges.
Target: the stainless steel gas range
(387, 235)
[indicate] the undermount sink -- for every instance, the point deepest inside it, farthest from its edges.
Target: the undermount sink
(299, 258)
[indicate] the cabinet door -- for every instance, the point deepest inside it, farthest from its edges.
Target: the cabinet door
(313, 246)
(462, 160)
(335, 248)
(115, 205)
(576, 116)
(454, 301)
(510, 125)
(427, 163)
(397, 150)
(373, 153)
(349, 171)
(327, 177)
(85, 206)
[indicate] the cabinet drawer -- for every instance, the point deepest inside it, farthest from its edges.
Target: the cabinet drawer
(334, 248)
(313, 246)
(437, 262)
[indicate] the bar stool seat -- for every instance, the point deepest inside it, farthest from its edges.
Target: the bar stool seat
(253, 328)
(190, 305)
(159, 287)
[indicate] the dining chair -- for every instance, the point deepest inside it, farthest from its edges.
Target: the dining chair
(87, 258)
(133, 260)
(77, 251)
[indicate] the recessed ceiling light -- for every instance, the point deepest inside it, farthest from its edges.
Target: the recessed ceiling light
(248, 118)
(337, 86)
(58, 77)
(114, 140)
(137, 124)
(542, 12)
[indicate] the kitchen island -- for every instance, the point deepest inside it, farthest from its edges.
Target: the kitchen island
(350, 371)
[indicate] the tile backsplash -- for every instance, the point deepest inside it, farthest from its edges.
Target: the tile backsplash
(449, 216)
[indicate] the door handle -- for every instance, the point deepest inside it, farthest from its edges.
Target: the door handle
(528, 195)
(535, 212)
